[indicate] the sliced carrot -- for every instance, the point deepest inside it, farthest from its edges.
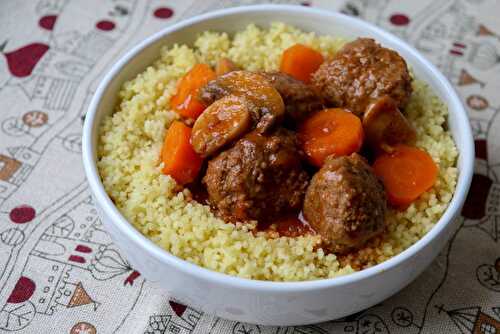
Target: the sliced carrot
(185, 101)
(300, 62)
(225, 65)
(330, 131)
(406, 173)
(180, 161)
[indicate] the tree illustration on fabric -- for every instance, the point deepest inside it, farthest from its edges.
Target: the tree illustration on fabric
(108, 263)
(81, 297)
(18, 312)
(75, 295)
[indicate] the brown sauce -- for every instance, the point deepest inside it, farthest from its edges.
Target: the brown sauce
(294, 225)
(291, 226)
(198, 192)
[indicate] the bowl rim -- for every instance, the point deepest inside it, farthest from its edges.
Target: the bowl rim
(466, 153)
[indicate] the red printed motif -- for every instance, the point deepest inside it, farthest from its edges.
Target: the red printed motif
(23, 290)
(22, 61)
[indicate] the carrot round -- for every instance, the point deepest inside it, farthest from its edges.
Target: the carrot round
(185, 100)
(180, 161)
(406, 173)
(330, 131)
(300, 62)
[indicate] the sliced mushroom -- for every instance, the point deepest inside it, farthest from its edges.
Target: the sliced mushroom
(300, 99)
(266, 104)
(225, 65)
(223, 122)
(385, 126)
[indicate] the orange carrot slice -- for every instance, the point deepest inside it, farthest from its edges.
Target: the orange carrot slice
(185, 101)
(330, 131)
(180, 161)
(300, 62)
(406, 173)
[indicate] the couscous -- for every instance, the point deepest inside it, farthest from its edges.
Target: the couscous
(130, 145)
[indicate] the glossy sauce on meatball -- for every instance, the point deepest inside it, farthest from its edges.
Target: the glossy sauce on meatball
(260, 178)
(361, 72)
(345, 203)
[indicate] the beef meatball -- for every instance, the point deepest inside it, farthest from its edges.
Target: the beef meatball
(361, 72)
(259, 178)
(345, 203)
(300, 99)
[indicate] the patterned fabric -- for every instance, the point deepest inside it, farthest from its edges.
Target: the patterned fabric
(60, 272)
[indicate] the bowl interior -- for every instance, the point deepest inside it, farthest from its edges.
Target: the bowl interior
(337, 25)
(321, 22)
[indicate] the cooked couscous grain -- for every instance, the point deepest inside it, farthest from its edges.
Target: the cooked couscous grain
(131, 140)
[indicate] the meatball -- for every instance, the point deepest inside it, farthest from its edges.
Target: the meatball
(361, 72)
(300, 99)
(345, 203)
(260, 178)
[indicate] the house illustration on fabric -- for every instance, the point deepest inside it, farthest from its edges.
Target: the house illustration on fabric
(66, 259)
(15, 168)
(183, 320)
(60, 258)
(53, 76)
(440, 32)
(60, 251)
(9, 168)
(472, 320)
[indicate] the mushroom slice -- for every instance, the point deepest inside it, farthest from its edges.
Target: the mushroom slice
(223, 122)
(225, 65)
(385, 126)
(265, 103)
(300, 99)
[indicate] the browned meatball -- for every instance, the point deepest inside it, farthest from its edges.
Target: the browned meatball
(361, 72)
(259, 178)
(345, 203)
(300, 99)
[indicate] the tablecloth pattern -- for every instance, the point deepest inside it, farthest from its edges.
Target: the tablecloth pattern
(60, 272)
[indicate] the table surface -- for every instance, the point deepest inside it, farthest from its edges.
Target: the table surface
(59, 271)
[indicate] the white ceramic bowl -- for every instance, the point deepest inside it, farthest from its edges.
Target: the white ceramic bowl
(261, 302)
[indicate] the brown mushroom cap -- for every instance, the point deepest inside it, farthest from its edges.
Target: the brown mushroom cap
(266, 104)
(385, 126)
(223, 122)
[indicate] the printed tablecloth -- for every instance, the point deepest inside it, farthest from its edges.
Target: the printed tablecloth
(60, 272)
